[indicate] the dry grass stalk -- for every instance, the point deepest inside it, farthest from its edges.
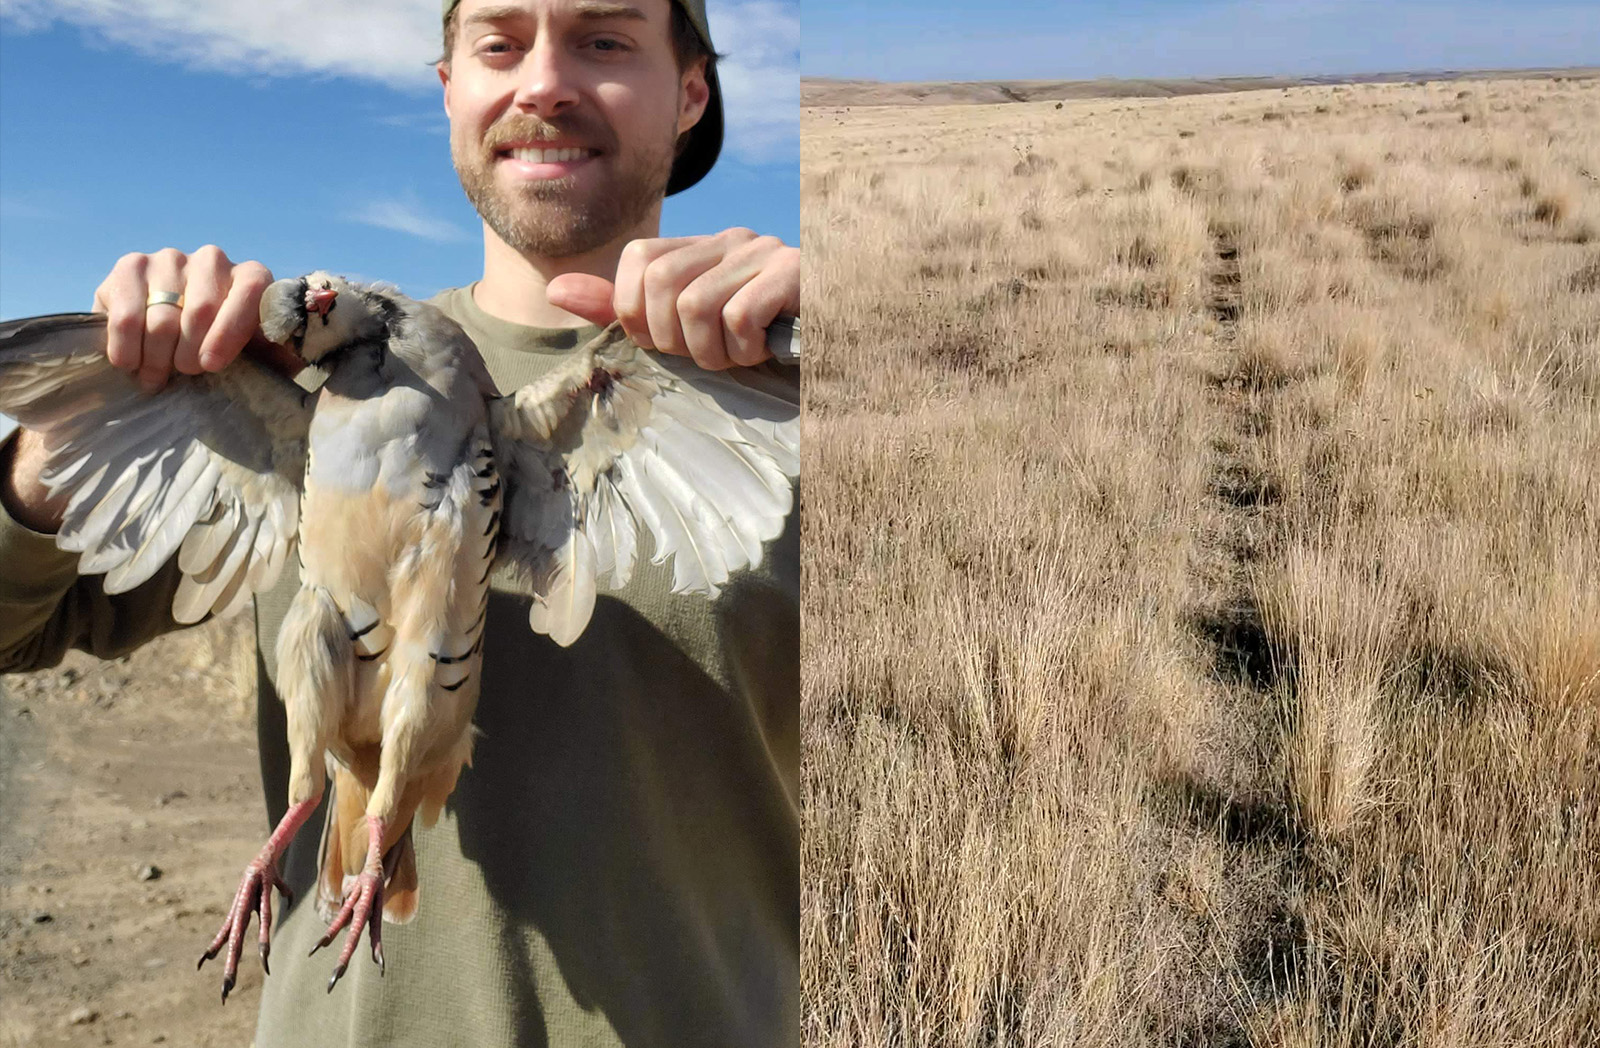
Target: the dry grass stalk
(1202, 553)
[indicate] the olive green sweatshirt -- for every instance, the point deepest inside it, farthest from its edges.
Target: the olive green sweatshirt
(619, 865)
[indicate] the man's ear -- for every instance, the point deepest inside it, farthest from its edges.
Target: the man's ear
(694, 94)
(443, 69)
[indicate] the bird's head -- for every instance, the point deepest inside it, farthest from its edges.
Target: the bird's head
(320, 313)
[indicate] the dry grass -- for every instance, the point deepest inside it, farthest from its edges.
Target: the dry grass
(1202, 570)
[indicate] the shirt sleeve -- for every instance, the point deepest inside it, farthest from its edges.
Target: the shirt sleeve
(46, 607)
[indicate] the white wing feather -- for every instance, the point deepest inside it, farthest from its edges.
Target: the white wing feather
(210, 468)
(563, 610)
(704, 461)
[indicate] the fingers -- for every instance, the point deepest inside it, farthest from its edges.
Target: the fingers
(711, 298)
(587, 296)
(773, 287)
(629, 301)
(205, 285)
(219, 312)
(164, 272)
(665, 282)
(238, 317)
(121, 297)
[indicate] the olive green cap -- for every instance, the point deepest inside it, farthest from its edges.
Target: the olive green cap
(705, 138)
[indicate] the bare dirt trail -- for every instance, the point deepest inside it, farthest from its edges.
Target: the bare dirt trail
(129, 800)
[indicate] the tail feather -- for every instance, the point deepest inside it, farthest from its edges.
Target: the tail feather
(344, 852)
(400, 891)
(344, 840)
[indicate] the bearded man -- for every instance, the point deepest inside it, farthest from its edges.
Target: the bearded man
(620, 864)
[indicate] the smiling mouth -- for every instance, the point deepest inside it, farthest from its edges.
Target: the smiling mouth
(537, 155)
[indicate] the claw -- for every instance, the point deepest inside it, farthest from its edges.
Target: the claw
(254, 899)
(361, 910)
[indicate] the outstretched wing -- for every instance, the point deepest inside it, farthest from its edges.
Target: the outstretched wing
(209, 467)
(617, 438)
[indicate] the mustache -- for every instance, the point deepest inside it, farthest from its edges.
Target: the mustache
(590, 130)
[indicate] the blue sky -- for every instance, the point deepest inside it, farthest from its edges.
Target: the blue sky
(1084, 39)
(130, 125)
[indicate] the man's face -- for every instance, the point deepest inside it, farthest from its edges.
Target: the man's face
(564, 115)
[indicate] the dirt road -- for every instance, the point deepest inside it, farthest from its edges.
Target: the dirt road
(129, 801)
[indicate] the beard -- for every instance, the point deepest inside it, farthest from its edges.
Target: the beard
(554, 218)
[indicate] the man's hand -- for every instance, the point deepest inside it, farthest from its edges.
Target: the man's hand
(221, 310)
(708, 297)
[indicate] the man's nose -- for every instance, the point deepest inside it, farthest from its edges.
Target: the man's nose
(547, 85)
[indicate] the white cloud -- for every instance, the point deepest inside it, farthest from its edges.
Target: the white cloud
(395, 41)
(760, 77)
(392, 42)
(406, 216)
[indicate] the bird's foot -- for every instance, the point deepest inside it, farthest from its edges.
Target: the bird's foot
(362, 908)
(253, 897)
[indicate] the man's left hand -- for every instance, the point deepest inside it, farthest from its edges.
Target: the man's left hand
(707, 297)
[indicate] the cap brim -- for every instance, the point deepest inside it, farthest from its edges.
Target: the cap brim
(705, 143)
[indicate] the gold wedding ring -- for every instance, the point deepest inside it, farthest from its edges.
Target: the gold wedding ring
(163, 298)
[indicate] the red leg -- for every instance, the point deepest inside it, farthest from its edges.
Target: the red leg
(255, 896)
(362, 908)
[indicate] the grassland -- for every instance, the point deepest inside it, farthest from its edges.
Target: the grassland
(1202, 570)
(828, 91)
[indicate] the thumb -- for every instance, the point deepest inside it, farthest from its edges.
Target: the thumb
(587, 296)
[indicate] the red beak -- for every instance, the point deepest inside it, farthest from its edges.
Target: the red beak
(319, 301)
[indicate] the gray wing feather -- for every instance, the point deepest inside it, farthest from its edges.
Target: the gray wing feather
(704, 461)
(209, 468)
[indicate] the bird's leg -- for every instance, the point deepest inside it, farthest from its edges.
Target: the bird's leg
(255, 896)
(362, 907)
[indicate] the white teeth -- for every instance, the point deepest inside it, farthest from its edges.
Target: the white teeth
(547, 156)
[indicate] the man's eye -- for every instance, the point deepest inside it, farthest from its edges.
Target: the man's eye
(607, 44)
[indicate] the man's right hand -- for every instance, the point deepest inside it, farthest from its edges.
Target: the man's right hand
(221, 310)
